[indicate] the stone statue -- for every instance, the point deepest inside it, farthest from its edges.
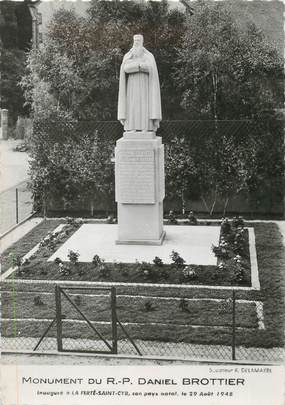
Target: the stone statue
(139, 105)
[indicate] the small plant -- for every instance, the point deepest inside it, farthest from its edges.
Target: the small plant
(238, 222)
(149, 307)
(239, 273)
(73, 257)
(148, 272)
(177, 259)
(158, 261)
(220, 252)
(64, 269)
(97, 261)
(57, 260)
(183, 305)
(70, 221)
(189, 273)
(38, 301)
(192, 220)
(110, 219)
(221, 266)
(225, 227)
(104, 271)
(171, 218)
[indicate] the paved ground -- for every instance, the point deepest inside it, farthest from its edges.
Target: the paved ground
(13, 175)
(13, 165)
(191, 242)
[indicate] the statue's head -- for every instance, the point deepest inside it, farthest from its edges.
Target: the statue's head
(138, 41)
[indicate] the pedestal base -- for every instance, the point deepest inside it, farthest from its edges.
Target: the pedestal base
(152, 242)
(139, 172)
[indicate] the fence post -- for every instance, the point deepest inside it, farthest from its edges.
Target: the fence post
(114, 321)
(58, 317)
(234, 326)
(17, 206)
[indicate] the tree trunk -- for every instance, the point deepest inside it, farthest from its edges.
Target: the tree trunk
(205, 204)
(214, 202)
(225, 206)
(92, 208)
(183, 202)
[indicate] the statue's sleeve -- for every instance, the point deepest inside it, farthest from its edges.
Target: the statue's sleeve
(154, 91)
(122, 94)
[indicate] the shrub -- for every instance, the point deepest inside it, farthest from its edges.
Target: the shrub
(97, 261)
(104, 271)
(148, 271)
(57, 260)
(158, 261)
(225, 227)
(238, 222)
(189, 273)
(64, 269)
(177, 259)
(220, 252)
(192, 220)
(73, 257)
(171, 218)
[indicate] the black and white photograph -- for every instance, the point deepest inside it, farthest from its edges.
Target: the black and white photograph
(142, 202)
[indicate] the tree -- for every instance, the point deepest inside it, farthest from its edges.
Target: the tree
(225, 72)
(180, 170)
(81, 56)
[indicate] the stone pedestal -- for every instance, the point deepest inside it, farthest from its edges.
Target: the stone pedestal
(139, 178)
(4, 124)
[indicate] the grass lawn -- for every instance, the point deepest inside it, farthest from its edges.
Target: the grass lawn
(162, 319)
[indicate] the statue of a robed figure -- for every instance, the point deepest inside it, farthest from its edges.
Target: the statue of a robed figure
(139, 105)
(139, 154)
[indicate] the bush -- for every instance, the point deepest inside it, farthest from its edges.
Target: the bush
(73, 257)
(97, 261)
(177, 259)
(104, 271)
(158, 261)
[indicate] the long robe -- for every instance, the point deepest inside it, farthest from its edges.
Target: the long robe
(139, 93)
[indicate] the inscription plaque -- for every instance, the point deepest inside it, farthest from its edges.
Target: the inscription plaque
(135, 176)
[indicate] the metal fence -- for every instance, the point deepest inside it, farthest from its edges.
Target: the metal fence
(255, 142)
(15, 205)
(148, 322)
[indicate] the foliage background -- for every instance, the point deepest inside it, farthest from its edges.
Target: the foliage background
(210, 69)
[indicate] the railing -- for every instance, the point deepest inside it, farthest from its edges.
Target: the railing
(15, 206)
(217, 326)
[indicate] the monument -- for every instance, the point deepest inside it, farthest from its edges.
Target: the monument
(139, 154)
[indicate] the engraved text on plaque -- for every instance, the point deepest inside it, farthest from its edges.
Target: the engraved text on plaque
(135, 176)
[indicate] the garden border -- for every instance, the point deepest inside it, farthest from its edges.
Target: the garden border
(255, 284)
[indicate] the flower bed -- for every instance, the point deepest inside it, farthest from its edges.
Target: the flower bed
(233, 263)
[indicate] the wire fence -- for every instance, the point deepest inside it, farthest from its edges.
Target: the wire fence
(225, 326)
(16, 205)
(256, 145)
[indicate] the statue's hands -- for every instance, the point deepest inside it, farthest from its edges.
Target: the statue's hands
(143, 67)
(122, 122)
(155, 124)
